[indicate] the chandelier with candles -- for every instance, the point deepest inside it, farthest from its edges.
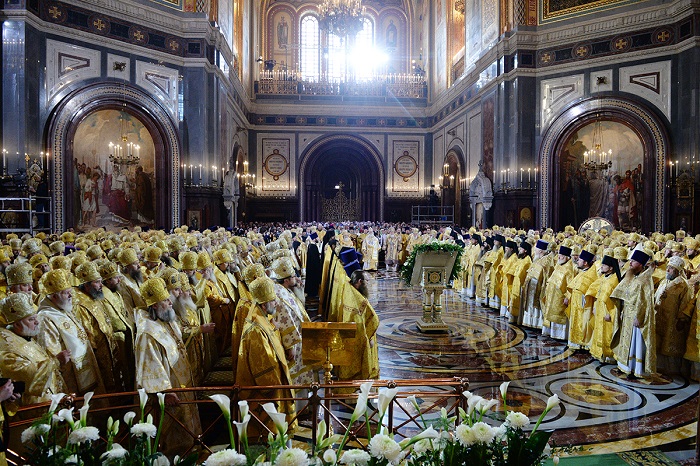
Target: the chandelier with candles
(597, 158)
(125, 152)
(341, 17)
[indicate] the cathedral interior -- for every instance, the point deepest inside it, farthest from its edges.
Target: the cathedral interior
(525, 113)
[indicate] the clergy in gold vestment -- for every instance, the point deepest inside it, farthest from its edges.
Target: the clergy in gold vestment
(123, 323)
(673, 302)
(605, 310)
(245, 302)
(211, 296)
(193, 330)
(692, 349)
(482, 273)
(555, 322)
(469, 258)
(162, 364)
(224, 270)
(288, 318)
(354, 307)
(90, 310)
(495, 256)
(23, 359)
(132, 277)
(262, 360)
(634, 333)
(61, 330)
(370, 251)
(518, 273)
(580, 324)
(534, 285)
(505, 274)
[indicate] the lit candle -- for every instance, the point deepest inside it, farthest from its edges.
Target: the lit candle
(200, 173)
(522, 171)
(528, 179)
(47, 161)
(222, 174)
(4, 161)
(191, 176)
(214, 173)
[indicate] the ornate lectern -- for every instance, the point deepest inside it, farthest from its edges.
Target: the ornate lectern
(432, 272)
(327, 342)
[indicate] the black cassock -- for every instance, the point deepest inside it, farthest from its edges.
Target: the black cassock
(313, 271)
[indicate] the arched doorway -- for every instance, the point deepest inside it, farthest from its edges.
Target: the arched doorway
(134, 104)
(344, 160)
(561, 146)
(451, 185)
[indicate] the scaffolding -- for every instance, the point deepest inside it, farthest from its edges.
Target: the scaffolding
(29, 214)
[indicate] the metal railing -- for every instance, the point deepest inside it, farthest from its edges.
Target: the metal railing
(391, 85)
(334, 403)
(440, 215)
(17, 214)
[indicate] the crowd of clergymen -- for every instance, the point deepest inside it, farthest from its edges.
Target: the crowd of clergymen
(628, 299)
(109, 312)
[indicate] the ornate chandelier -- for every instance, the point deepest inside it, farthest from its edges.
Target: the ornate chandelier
(597, 158)
(125, 152)
(341, 17)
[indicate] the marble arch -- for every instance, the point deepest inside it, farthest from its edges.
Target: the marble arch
(647, 125)
(77, 105)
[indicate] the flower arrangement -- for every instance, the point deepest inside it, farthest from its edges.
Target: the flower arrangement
(462, 440)
(58, 439)
(442, 246)
(472, 443)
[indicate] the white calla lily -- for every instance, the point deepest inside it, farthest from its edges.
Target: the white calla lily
(385, 397)
(279, 419)
(87, 398)
(161, 399)
(83, 414)
(552, 402)
(361, 406)
(55, 401)
(129, 417)
(143, 398)
(242, 427)
(224, 404)
(243, 408)
(504, 389)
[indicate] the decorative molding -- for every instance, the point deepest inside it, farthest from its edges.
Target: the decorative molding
(118, 67)
(651, 81)
(68, 64)
(65, 116)
(406, 167)
(601, 81)
(160, 81)
(653, 135)
(556, 94)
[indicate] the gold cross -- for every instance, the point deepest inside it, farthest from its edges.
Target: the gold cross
(26, 158)
(138, 35)
(621, 44)
(174, 45)
(546, 57)
(55, 12)
(99, 24)
(663, 36)
(581, 51)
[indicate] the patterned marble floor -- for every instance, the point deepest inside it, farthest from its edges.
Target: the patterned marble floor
(600, 410)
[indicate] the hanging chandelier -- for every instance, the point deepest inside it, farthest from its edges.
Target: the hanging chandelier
(597, 158)
(341, 17)
(124, 152)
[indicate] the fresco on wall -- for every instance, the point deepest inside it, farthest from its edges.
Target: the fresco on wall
(616, 194)
(555, 10)
(108, 194)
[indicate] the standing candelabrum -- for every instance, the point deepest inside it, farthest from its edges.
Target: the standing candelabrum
(190, 171)
(523, 179)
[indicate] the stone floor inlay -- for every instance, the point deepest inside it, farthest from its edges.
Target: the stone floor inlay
(599, 408)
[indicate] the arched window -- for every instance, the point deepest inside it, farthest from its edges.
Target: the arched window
(310, 48)
(337, 59)
(364, 54)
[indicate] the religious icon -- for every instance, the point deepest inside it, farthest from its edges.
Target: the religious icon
(391, 34)
(282, 33)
